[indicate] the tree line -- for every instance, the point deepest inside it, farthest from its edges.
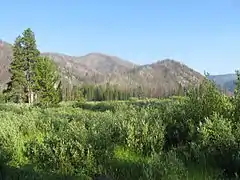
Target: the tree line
(107, 92)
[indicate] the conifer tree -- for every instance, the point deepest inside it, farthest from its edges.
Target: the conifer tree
(25, 56)
(16, 87)
(47, 82)
(31, 56)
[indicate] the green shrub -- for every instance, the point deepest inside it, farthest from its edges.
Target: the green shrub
(133, 99)
(165, 166)
(144, 130)
(95, 106)
(184, 116)
(2, 98)
(219, 143)
(131, 140)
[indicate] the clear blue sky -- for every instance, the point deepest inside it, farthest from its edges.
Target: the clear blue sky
(204, 34)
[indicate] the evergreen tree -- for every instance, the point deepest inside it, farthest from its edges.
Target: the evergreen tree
(22, 68)
(140, 92)
(68, 93)
(16, 87)
(98, 94)
(90, 92)
(60, 91)
(180, 90)
(31, 55)
(47, 83)
(74, 93)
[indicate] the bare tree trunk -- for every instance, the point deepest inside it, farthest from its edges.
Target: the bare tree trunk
(35, 97)
(31, 97)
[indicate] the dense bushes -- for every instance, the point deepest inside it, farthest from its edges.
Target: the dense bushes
(2, 98)
(71, 141)
(126, 140)
(219, 143)
(95, 106)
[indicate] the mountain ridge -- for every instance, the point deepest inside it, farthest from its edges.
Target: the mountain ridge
(225, 81)
(99, 68)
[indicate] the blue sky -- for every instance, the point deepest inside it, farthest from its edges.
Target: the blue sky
(203, 34)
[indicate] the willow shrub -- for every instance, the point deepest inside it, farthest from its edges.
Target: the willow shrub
(219, 143)
(72, 141)
(184, 116)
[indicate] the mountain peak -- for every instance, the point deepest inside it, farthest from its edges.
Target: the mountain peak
(97, 54)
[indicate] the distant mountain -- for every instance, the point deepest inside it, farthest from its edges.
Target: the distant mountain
(98, 68)
(5, 59)
(91, 68)
(225, 81)
(161, 76)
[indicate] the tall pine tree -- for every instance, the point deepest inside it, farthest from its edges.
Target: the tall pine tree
(31, 56)
(25, 56)
(16, 87)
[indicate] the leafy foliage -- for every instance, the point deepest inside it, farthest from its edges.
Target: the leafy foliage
(218, 142)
